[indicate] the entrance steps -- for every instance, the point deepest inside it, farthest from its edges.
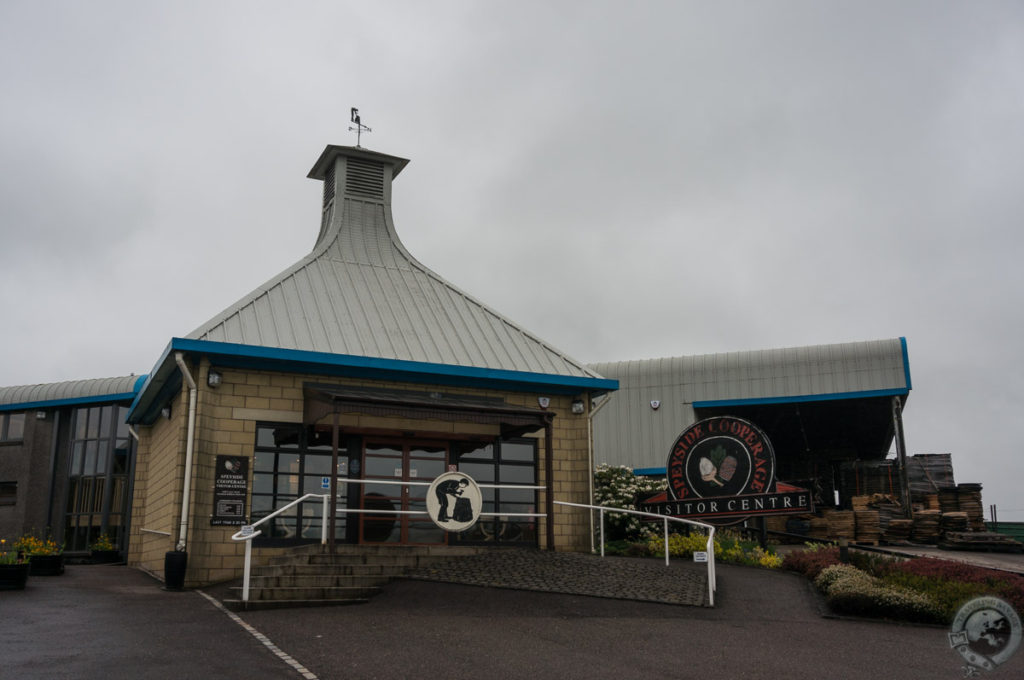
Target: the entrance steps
(310, 576)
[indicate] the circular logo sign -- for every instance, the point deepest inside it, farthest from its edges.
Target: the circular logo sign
(986, 632)
(721, 456)
(454, 501)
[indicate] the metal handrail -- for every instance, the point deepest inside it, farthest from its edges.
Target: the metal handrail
(712, 584)
(247, 534)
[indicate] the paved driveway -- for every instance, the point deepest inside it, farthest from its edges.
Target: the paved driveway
(115, 622)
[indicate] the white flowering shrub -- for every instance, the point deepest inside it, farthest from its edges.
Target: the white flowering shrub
(852, 591)
(616, 486)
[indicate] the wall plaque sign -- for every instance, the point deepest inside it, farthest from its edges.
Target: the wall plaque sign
(230, 489)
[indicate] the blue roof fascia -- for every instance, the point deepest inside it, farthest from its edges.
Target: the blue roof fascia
(74, 401)
(650, 471)
(802, 398)
(906, 363)
(232, 355)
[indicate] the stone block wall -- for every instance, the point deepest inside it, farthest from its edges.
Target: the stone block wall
(226, 425)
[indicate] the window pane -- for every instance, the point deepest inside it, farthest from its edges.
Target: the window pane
(90, 459)
(81, 418)
(281, 436)
(121, 457)
(101, 457)
(262, 483)
(120, 413)
(437, 452)
(263, 461)
(517, 496)
(105, 413)
(516, 474)
(15, 425)
(93, 429)
(382, 450)
(288, 484)
(288, 462)
(517, 451)
(318, 437)
(77, 450)
(318, 465)
(475, 452)
(481, 472)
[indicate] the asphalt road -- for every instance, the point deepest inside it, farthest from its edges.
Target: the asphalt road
(116, 622)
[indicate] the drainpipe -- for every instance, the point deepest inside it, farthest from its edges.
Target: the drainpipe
(591, 412)
(189, 446)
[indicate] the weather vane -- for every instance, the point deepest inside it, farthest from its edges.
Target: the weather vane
(359, 126)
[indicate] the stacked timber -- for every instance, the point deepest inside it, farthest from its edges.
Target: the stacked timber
(818, 528)
(868, 530)
(953, 522)
(926, 527)
(898, 531)
(929, 472)
(887, 512)
(949, 499)
(980, 540)
(842, 524)
(931, 502)
(969, 497)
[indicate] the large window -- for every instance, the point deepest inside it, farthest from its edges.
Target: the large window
(511, 463)
(12, 427)
(99, 477)
(8, 493)
(291, 461)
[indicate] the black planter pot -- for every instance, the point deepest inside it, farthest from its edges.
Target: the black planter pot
(47, 565)
(175, 564)
(13, 576)
(104, 556)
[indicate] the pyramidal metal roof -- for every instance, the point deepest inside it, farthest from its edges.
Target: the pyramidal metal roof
(361, 293)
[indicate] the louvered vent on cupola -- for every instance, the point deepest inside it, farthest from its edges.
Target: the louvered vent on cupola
(329, 186)
(364, 178)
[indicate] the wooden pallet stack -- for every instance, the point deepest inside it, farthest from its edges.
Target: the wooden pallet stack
(953, 522)
(898, 531)
(949, 499)
(969, 498)
(926, 527)
(842, 524)
(867, 529)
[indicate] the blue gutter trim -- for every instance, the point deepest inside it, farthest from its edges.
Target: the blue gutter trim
(275, 358)
(650, 471)
(390, 365)
(802, 398)
(75, 401)
(906, 363)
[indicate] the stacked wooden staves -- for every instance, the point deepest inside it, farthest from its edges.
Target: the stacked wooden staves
(898, 532)
(949, 499)
(926, 527)
(842, 524)
(953, 522)
(868, 530)
(969, 497)
(818, 528)
(980, 540)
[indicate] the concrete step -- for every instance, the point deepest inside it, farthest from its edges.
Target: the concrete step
(317, 581)
(339, 569)
(302, 593)
(253, 605)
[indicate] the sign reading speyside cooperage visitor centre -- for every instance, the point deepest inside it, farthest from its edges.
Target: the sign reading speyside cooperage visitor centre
(722, 469)
(230, 487)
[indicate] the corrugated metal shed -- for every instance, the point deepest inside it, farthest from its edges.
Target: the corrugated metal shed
(72, 392)
(361, 293)
(628, 431)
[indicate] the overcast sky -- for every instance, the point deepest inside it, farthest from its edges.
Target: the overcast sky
(626, 180)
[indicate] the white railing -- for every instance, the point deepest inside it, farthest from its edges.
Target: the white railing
(710, 542)
(248, 532)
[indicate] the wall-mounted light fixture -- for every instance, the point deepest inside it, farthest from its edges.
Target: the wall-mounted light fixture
(166, 412)
(213, 378)
(578, 406)
(655, 404)
(543, 402)
(40, 415)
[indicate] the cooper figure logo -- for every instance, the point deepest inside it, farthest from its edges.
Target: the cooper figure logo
(454, 501)
(721, 456)
(986, 632)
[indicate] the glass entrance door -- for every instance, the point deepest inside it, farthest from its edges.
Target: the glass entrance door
(405, 461)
